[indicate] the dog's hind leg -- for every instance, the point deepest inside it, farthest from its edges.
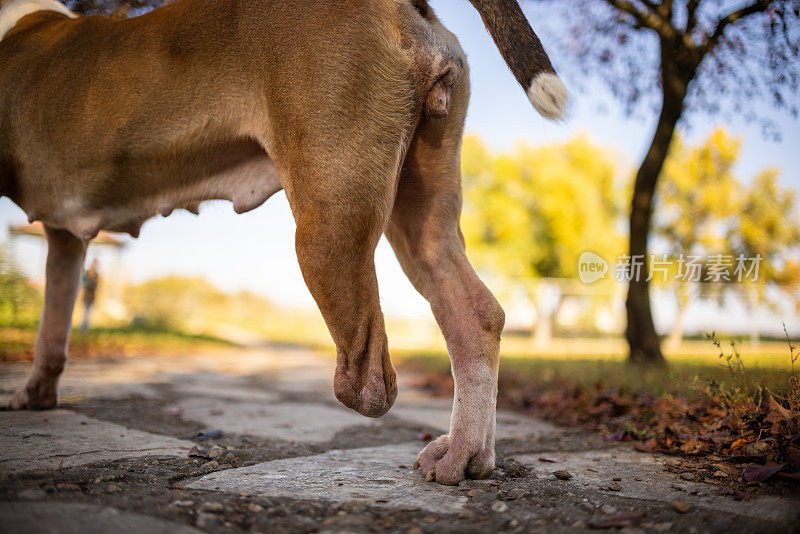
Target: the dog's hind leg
(65, 256)
(424, 232)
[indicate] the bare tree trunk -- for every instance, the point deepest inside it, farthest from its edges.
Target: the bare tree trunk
(543, 334)
(676, 334)
(641, 333)
(683, 295)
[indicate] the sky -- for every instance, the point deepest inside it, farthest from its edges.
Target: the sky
(255, 250)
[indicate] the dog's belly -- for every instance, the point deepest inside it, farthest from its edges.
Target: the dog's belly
(242, 173)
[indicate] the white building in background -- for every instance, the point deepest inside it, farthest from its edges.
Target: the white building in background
(27, 246)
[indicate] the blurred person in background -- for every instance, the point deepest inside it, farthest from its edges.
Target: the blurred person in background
(89, 281)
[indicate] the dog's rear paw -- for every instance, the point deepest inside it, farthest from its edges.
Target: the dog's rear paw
(27, 399)
(449, 465)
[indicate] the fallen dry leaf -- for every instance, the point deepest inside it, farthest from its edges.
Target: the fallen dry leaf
(739, 443)
(619, 435)
(693, 446)
(777, 413)
(760, 473)
(553, 459)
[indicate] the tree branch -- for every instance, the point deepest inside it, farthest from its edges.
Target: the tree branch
(645, 19)
(691, 19)
(756, 7)
(665, 10)
(649, 3)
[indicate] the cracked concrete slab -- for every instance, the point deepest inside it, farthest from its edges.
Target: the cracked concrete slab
(73, 518)
(643, 477)
(61, 438)
(378, 476)
(292, 421)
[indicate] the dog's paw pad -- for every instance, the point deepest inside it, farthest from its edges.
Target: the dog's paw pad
(27, 398)
(439, 462)
(20, 400)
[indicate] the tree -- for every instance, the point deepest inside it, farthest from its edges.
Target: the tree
(695, 55)
(705, 211)
(767, 226)
(565, 195)
(695, 208)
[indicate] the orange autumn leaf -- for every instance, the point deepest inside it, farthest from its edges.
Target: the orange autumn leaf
(739, 443)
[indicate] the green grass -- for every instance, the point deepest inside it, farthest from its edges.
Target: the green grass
(685, 372)
(16, 341)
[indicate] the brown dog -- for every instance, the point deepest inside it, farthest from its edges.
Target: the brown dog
(354, 108)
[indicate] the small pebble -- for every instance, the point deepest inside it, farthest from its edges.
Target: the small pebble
(681, 506)
(211, 507)
(182, 504)
(517, 493)
(499, 507)
(687, 475)
(608, 509)
(255, 508)
(113, 488)
(205, 520)
(562, 475)
(210, 466)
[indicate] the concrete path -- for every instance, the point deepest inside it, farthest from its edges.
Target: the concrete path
(254, 441)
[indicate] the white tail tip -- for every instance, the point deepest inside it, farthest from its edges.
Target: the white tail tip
(549, 96)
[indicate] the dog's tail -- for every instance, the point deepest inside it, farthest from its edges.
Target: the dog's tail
(524, 55)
